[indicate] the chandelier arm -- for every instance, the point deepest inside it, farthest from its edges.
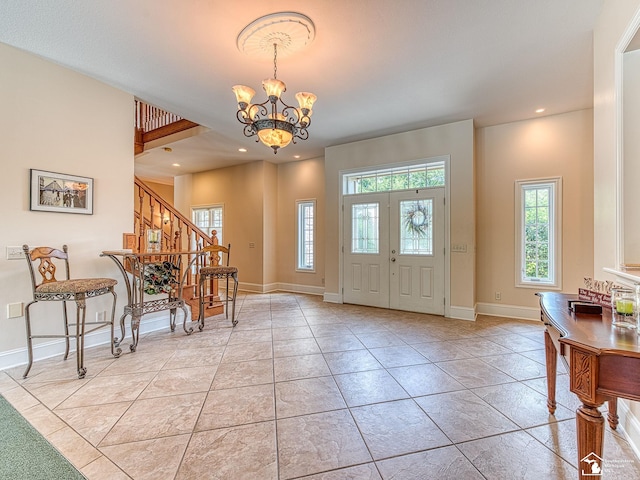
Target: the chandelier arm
(250, 130)
(242, 117)
(261, 109)
(291, 113)
(258, 109)
(305, 121)
(301, 133)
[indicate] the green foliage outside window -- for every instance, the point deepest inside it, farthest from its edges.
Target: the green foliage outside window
(536, 233)
(424, 176)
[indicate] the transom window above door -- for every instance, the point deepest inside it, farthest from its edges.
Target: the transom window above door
(396, 178)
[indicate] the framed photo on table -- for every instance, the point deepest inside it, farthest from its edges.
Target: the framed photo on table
(62, 193)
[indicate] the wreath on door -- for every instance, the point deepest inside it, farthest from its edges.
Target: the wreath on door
(417, 220)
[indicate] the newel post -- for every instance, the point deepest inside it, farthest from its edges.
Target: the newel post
(215, 260)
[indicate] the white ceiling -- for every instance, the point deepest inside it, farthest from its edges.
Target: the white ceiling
(377, 66)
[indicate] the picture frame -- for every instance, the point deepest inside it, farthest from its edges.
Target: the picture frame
(60, 192)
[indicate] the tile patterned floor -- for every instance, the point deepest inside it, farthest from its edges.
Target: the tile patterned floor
(304, 389)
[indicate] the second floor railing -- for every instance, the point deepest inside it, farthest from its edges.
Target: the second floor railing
(148, 117)
(152, 123)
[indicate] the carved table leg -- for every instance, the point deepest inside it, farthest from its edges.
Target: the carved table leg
(612, 416)
(590, 425)
(552, 359)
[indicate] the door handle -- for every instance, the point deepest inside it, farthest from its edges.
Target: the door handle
(393, 259)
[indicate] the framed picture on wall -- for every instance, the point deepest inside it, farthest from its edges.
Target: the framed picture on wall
(62, 193)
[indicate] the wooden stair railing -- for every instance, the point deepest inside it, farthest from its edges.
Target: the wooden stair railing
(178, 234)
(152, 123)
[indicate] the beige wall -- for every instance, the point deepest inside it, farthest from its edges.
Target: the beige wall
(259, 205)
(165, 191)
(241, 189)
(456, 140)
(613, 22)
(270, 232)
(182, 189)
(302, 180)
(44, 113)
(553, 146)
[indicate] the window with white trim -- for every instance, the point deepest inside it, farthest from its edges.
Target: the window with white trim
(209, 218)
(306, 235)
(395, 178)
(538, 233)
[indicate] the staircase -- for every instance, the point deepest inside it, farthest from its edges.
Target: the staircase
(178, 234)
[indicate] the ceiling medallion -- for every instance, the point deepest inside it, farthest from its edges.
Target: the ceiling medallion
(275, 123)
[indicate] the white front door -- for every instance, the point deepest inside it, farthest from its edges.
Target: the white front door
(394, 250)
(366, 249)
(417, 250)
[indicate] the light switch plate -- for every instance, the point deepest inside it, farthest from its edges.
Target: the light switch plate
(15, 253)
(459, 247)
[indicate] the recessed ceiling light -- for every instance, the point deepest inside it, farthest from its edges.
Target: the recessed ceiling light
(167, 149)
(296, 156)
(540, 110)
(243, 150)
(175, 164)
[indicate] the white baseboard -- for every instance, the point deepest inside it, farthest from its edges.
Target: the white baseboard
(150, 323)
(511, 311)
(280, 287)
(462, 313)
(270, 287)
(630, 425)
(332, 297)
(296, 288)
(251, 287)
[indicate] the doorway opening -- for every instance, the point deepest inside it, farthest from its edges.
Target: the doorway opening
(394, 232)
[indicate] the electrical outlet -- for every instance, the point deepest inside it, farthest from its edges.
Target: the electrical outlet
(15, 310)
(252, 245)
(15, 253)
(100, 316)
(498, 296)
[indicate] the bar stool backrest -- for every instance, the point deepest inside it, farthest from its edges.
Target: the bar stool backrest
(46, 265)
(214, 252)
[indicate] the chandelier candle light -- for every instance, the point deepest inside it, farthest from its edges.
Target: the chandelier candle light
(275, 123)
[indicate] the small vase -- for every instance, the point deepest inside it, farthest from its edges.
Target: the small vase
(154, 240)
(624, 307)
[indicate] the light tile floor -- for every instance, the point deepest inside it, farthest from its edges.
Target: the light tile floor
(304, 389)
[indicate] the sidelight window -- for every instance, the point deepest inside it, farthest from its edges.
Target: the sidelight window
(306, 235)
(538, 233)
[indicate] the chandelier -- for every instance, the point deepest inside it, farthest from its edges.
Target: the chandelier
(274, 122)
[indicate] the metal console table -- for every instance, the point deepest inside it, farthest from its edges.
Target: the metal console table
(140, 272)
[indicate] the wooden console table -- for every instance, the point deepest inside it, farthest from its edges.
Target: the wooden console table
(603, 362)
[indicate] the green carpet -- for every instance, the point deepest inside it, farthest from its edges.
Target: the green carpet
(25, 454)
